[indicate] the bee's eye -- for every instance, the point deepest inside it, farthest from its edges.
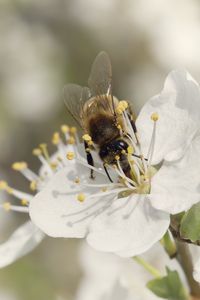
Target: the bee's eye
(120, 145)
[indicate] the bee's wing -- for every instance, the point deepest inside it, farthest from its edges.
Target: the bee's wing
(100, 79)
(74, 97)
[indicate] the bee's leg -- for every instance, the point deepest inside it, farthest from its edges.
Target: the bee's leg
(89, 159)
(106, 170)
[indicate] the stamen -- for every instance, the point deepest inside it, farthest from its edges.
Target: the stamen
(8, 207)
(19, 166)
(154, 118)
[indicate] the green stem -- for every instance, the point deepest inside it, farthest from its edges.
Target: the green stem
(169, 245)
(184, 258)
(153, 271)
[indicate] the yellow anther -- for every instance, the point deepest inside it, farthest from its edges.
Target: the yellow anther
(9, 190)
(87, 137)
(90, 143)
(104, 189)
(119, 126)
(71, 140)
(19, 166)
(37, 152)
(124, 104)
(70, 155)
(77, 180)
(43, 146)
(3, 185)
(81, 197)
(117, 157)
(73, 130)
(155, 117)
(119, 110)
(33, 185)
(65, 129)
(87, 149)
(130, 150)
(7, 206)
(123, 151)
(53, 165)
(56, 138)
(24, 202)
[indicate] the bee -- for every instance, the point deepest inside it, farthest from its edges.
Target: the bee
(94, 108)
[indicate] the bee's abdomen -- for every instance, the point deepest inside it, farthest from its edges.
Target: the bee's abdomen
(103, 129)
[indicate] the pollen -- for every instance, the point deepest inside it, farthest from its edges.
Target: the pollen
(65, 129)
(24, 202)
(155, 117)
(33, 185)
(121, 107)
(87, 138)
(19, 166)
(71, 140)
(73, 130)
(7, 206)
(37, 152)
(70, 155)
(81, 197)
(56, 138)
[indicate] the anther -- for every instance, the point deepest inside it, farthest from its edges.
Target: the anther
(24, 202)
(37, 152)
(71, 140)
(6, 206)
(117, 157)
(3, 185)
(19, 166)
(130, 150)
(77, 180)
(73, 130)
(70, 155)
(87, 137)
(65, 129)
(56, 138)
(154, 117)
(81, 197)
(33, 185)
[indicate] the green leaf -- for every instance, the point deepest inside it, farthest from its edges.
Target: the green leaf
(168, 287)
(190, 224)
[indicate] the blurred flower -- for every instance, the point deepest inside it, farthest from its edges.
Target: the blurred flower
(27, 236)
(30, 78)
(114, 216)
(108, 277)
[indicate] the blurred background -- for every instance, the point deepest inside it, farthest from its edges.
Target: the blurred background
(44, 45)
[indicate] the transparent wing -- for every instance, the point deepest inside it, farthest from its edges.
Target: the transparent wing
(74, 97)
(100, 80)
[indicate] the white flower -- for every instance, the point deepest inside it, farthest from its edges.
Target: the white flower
(109, 277)
(129, 215)
(27, 236)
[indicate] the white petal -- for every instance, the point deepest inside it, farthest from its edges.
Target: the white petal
(129, 227)
(56, 209)
(176, 186)
(178, 107)
(20, 243)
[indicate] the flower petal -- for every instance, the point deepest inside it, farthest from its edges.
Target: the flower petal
(56, 209)
(129, 227)
(176, 186)
(178, 107)
(20, 243)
